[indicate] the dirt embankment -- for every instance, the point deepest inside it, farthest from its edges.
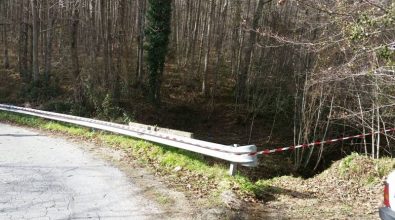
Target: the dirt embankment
(351, 188)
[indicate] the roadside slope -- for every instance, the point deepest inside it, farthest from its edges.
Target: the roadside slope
(351, 188)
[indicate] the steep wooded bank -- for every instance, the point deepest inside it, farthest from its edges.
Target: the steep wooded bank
(304, 69)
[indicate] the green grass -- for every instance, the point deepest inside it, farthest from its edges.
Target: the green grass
(163, 199)
(364, 169)
(164, 158)
(384, 166)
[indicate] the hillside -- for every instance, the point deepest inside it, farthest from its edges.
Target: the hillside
(269, 73)
(351, 188)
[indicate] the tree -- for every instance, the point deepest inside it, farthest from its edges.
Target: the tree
(75, 13)
(140, 40)
(23, 42)
(49, 38)
(208, 46)
(5, 24)
(245, 63)
(157, 33)
(36, 30)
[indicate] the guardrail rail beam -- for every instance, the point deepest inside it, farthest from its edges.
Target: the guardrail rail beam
(236, 155)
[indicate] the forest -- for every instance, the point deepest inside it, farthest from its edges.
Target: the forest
(265, 72)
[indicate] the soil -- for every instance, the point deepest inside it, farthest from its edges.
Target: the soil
(328, 196)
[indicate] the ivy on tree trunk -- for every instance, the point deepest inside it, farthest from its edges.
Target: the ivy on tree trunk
(157, 36)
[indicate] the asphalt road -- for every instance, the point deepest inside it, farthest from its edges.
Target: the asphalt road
(50, 178)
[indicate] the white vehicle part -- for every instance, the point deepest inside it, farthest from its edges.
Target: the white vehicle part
(391, 185)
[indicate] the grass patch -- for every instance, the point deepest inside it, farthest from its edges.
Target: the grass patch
(162, 199)
(364, 169)
(211, 179)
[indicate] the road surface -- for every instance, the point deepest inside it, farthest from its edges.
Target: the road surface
(50, 178)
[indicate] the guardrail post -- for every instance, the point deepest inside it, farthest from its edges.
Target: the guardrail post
(233, 166)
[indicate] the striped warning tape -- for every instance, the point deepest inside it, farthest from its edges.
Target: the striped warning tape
(281, 149)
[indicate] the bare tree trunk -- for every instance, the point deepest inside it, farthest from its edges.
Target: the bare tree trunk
(235, 36)
(109, 50)
(6, 60)
(376, 91)
(201, 46)
(48, 47)
(140, 40)
(121, 50)
(94, 43)
(23, 42)
(35, 40)
(114, 75)
(373, 127)
(245, 64)
(78, 98)
(195, 36)
(219, 45)
(104, 36)
(176, 41)
(189, 33)
(208, 48)
(4, 10)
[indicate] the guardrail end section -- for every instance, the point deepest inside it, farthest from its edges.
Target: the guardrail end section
(252, 159)
(244, 157)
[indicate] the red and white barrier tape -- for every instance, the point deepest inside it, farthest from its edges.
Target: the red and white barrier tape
(281, 149)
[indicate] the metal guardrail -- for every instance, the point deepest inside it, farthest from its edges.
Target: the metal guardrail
(236, 155)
